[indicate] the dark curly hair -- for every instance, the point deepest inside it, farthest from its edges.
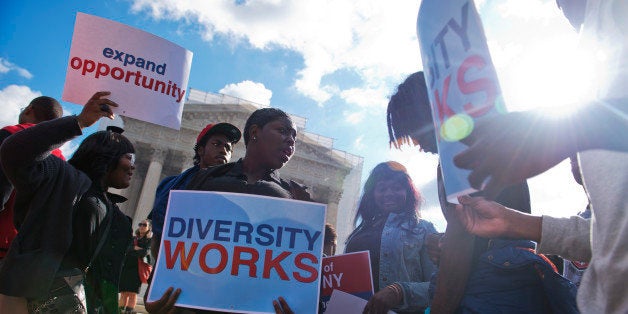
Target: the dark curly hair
(409, 115)
(367, 209)
(100, 153)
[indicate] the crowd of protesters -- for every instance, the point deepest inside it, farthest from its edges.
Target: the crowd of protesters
(65, 246)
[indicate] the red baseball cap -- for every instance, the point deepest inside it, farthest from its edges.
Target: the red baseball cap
(229, 130)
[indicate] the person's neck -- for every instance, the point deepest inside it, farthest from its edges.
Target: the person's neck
(103, 185)
(253, 170)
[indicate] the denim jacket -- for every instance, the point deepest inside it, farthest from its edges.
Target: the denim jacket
(510, 278)
(404, 259)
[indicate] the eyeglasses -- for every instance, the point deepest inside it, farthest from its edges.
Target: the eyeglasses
(141, 224)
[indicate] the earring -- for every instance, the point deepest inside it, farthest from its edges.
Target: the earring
(254, 138)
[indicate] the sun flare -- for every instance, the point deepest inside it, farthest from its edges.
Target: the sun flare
(557, 77)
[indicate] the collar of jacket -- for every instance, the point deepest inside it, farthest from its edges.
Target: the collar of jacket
(238, 170)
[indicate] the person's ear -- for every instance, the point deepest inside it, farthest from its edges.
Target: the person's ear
(254, 130)
(200, 150)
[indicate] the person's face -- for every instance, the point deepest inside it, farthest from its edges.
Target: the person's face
(217, 151)
(275, 143)
(390, 195)
(120, 176)
(143, 226)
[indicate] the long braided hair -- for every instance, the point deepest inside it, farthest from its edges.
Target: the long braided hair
(409, 115)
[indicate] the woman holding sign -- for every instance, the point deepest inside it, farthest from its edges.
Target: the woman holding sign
(270, 138)
(392, 231)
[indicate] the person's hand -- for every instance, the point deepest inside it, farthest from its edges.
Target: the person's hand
(434, 244)
(513, 147)
(96, 108)
(382, 301)
(281, 306)
(488, 219)
(482, 217)
(165, 305)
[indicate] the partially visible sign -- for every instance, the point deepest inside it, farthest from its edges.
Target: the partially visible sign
(350, 273)
(147, 75)
(238, 252)
(461, 79)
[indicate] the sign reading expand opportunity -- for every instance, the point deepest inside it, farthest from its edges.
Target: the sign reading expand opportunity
(239, 252)
(350, 273)
(147, 75)
(461, 79)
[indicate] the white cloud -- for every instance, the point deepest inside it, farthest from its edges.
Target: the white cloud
(358, 143)
(6, 66)
(366, 97)
(68, 148)
(13, 98)
(354, 117)
(375, 39)
(249, 90)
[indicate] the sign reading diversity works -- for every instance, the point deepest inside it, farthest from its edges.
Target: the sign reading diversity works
(238, 252)
(349, 273)
(461, 79)
(147, 75)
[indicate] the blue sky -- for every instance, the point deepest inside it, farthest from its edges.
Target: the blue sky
(332, 62)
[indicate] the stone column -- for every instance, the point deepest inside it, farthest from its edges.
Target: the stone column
(332, 207)
(147, 195)
(186, 160)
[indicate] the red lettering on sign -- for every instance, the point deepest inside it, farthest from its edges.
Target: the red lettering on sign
(238, 260)
(270, 263)
(224, 257)
(179, 252)
(444, 111)
(479, 85)
(298, 262)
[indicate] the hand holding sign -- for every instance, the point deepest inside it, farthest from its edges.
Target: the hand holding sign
(281, 306)
(165, 305)
(384, 300)
(96, 108)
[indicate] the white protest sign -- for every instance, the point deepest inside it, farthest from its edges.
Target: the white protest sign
(238, 252)
(147, 75)
(461, 80)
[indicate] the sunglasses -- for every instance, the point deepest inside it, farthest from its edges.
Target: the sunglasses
(141, 224)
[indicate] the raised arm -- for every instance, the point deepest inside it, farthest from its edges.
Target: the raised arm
(511, 148)
(21, 151)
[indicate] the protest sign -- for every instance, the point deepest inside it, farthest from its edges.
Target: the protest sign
(147, 75)
(238, 252)
(350, 273)
(462, 82)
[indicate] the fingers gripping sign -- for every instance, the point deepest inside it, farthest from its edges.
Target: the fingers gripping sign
(96, 107)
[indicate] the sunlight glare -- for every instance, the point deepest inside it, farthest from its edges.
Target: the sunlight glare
(555, 76)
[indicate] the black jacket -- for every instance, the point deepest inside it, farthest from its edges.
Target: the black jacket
(50, 195)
